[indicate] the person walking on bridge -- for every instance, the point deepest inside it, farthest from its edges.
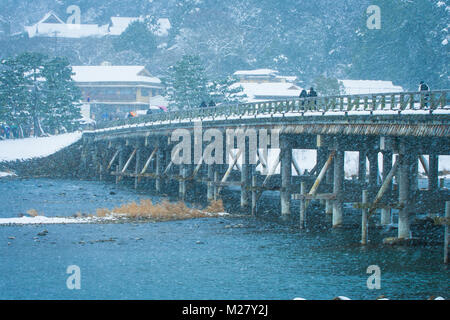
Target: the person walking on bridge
(423, 87)
(312, 94)
(303, 95)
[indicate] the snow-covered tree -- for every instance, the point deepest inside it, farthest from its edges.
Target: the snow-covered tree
(138, 37)
(14, 95)
(61, 96)
(39, 92)
(328, 86)
(186, 83)
(225, 91)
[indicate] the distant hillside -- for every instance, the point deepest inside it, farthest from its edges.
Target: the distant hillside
(298, 37)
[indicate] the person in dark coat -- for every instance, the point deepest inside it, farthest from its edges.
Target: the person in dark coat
(312, 94)
(211, 104)
(7, 132)
(303, 95)
(423, 87)
(203, 104)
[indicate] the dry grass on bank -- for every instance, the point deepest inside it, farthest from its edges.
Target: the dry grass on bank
(163, 211)
(32, 213)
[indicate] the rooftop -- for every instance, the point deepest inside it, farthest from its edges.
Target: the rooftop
(51, 25)
(369, 86)
(256, 72)
(269, 91)
(113, 74)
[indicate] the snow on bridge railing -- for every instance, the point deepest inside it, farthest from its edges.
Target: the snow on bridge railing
(425, 101)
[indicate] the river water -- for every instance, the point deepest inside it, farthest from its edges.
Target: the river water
(212, 258)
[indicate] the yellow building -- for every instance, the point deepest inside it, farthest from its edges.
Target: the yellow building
(113, 91)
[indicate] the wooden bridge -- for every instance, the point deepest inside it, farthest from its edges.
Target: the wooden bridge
(403, 127)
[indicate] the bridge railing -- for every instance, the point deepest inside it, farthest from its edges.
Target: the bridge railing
(428, 101)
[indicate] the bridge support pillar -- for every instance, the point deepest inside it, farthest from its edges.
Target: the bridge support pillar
(362, 168)
(182, 182)
(338, 188)
(329, 180)
(303, 205)
(321, 157)
(121, 162)
(216, 180)
(404, 193)
(158, 169)
(254, 193)
(414, 173)
(210, 189)
(373, 173)
(245, 176)
(385, 217)
(286, 176)
(433, 174)
(137, 168)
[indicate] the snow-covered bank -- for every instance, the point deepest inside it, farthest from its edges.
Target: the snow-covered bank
(78, 220)
(6, 174)
(51, 220)
(28, 148)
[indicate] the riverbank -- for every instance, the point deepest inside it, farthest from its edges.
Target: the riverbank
(24, 156)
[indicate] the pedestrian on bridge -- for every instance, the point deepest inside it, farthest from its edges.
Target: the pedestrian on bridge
(423, 87)
(312, 94)
(303, 95)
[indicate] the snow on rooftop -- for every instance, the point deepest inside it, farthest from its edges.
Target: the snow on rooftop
(369, 86)
(113, 74)
(51, 25)
(268, 90)
(257, 72)
(287, 78)
(66, 30)
(28, 148)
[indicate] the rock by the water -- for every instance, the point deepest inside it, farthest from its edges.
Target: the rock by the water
(43, 233)
(393, 241)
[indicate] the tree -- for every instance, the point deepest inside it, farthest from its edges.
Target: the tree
(62, 96)
(328, 86)
(14, 96)
(186, 83)
(226, 91)
(32, 64)
(38, 91)
(138, 37)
